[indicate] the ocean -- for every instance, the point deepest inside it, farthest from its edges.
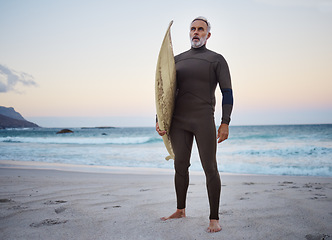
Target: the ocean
(304, 150)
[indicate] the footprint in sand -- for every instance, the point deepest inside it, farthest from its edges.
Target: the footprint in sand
(285, 183)
(243, 198)
(50, 202)
(144, 189)
(59, 210)
(48, 222)
(318, 196)
(248, 183)
(289, 184)
(247, 193)
(5, 200)
(316, 186)
(226, 212)
(317, 236)
(17, 207)
(115, 206)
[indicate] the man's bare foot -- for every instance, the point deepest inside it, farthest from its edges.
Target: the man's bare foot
(214, 226)
(180, 213)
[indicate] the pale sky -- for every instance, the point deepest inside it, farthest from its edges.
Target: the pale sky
(69, 63)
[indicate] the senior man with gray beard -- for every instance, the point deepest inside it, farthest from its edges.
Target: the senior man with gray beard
(198, 72)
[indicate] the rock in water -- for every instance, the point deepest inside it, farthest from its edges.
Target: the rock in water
(64, 131)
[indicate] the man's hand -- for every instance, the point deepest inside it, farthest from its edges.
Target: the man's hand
(223, 132)
(160, 132)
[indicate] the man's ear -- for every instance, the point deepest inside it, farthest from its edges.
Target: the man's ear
(208, 36)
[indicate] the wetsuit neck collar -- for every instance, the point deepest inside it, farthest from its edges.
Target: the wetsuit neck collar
(202, 48)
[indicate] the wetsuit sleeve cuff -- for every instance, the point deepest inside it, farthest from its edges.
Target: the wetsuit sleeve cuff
(227, 105)
(226, 121)
(226, 113)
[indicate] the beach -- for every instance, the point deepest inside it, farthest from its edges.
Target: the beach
(59, 201)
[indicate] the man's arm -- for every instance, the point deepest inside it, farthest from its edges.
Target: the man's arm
(227, 107)
(225, 85)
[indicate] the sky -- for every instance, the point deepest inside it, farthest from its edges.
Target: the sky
(79, 63)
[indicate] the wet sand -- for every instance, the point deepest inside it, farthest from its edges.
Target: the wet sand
(54, 201)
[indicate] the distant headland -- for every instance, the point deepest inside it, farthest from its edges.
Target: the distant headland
(9, 118)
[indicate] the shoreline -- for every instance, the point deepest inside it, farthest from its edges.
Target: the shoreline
(34, 165)
(62, 203)
(14, 164)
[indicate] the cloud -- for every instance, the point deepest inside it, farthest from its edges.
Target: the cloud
(9, 79)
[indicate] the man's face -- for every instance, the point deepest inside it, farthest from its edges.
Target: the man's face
(198, 33)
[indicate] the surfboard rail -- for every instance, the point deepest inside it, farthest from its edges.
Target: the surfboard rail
(165, 86)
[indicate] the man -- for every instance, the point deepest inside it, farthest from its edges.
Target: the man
(198, 71)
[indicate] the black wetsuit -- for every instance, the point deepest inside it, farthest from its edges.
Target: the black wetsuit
(198, 72)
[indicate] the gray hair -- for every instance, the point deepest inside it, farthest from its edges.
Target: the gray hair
(204, 20)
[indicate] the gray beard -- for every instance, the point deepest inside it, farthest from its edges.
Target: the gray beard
(199, 44)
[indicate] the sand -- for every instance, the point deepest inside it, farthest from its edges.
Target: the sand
(53, 201)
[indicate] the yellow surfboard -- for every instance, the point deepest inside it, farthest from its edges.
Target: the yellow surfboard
(165, 86)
